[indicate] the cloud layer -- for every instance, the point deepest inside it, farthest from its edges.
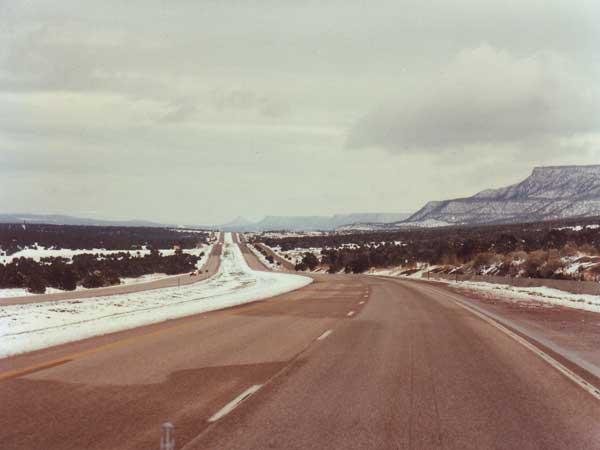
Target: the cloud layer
(484, 96)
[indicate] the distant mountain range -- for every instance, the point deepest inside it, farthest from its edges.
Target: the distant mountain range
(311, 223)
(553, 192)
(289, 223)
(60, 219)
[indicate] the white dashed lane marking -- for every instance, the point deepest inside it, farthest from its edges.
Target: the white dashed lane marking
(235, 402)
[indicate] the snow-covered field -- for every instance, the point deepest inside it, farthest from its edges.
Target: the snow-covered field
(204, 251)
(34, 326)
(40, 252)
(295, 255)
(544, 295)
(262, 259)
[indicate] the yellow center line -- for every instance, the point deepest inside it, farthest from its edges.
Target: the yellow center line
(112, 345)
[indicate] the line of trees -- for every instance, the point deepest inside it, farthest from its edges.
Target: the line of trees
(534, 249)
(90, 270)
(15, 237)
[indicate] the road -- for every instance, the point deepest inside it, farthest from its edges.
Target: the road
(349, 362)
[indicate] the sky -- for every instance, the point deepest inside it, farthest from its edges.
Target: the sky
(196, 112)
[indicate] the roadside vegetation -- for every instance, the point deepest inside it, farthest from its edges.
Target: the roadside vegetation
(567, 249)
(88, 269)
(16, 237)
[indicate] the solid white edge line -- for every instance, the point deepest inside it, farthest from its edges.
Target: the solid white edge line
(350, 314)
(234, 403)
(590, 388)
(324, 335)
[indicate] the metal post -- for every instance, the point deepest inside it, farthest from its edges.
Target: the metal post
(167, 437)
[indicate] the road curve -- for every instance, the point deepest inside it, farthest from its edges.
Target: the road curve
(349, 362)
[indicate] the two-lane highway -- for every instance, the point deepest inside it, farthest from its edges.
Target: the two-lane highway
(416, 372)
(349, 362)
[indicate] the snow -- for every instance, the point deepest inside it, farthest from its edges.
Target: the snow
(38, 253)
(204, 258)
(22, 292)
(580, 227)
(188, 230)
(33, 326)
(262, 259)
(425, 223)
(205, 251)
(295, 255)
(543, 295)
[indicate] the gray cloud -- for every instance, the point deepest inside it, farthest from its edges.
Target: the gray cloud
(180, 110)
(486, 95)
(243, 99)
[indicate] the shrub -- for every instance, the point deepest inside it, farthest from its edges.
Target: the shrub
(93, 280)
(310, 260)
(553, 265)
(485, 260)
(535, 260)
(36, 285)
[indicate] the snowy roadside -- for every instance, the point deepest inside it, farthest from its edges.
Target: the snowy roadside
(543, 295)
(205, 251)
(262, 259)
(33, 326)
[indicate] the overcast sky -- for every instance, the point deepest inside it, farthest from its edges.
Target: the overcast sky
(200, 111)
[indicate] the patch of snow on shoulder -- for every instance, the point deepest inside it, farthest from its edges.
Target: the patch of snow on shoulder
(29, 327)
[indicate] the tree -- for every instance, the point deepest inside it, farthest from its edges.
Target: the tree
(36, 284)
(68, 280)
(93, 280)
(310, 260)
(360, 264)
(534, 262)
(300, 267)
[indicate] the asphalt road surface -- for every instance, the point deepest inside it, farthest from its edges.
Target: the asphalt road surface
(349, 362)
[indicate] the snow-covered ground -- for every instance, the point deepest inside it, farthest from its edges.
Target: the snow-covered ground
(580, 227)
(295, 255)
(40, 252)
(34, 326)
(22, 292)
(204, 251)
(262, 259)
(544, 295)
(189, 230)
(427, 223)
